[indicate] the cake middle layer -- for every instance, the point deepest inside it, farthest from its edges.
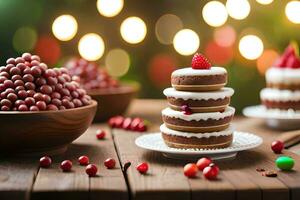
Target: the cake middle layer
(198, 122)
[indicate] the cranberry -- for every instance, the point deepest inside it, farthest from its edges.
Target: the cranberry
(211, 172)
(277, 146)
(100, 134)
(83, 160)
(66, 165)
(45, 162)
(91, 170)
(186, 110)
(110, 163)
(142, 167)
(127, 123)
(23, 108)
(203, 162)
(142, 127)
(190, 170)
(135, 123)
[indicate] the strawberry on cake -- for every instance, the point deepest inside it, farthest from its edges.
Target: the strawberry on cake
(283, 82)
(198, 115)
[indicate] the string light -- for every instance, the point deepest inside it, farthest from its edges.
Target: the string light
(292, 11)
(186, 42)
(110, 8)
(264, 2)
(251, 47)
(64, 27)
(91, 47)
(117, 62)
(133, 30)
(214, 13)
(238, 9)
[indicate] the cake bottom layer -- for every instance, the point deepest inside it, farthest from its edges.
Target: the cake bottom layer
(294, 105)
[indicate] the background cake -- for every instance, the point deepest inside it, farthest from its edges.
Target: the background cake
(199, 114)
(283, 82)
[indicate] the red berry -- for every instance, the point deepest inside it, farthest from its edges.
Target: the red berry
(199, 61)
(186, 110)
(119, 121)
(127, 123)
(293, 62)
(211, 172)
(134, 124)
(110, 163)
(277, 146)
(91, 170)
(142, 167)
(45, 162)
(111, 122)
(100, 134)
(190, 170)
(83, 160)
(66, 165)
(142, 127)
(203, 162)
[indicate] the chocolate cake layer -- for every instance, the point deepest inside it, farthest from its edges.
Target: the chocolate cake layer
(281, 86)
(295, 105)
(194, 142)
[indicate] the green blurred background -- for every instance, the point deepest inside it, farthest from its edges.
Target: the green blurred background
(27, 26)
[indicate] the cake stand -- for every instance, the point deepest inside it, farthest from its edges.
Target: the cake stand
(241, 141)
(275, 118)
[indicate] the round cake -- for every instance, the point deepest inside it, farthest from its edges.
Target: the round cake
(190, 79)
(197, 122)
(182, 139)
(212, 101)
(283, 78)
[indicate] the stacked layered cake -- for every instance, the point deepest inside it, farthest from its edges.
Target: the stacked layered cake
(199, 114)
(283, 83)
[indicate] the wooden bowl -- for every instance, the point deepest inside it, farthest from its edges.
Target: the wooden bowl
(43, 132)
(112, 102)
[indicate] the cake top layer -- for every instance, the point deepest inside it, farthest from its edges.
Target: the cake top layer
(203, 72)
(283, 75)
(219, 94)
(279, 95)
(229, 111)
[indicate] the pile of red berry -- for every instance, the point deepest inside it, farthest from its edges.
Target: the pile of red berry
(209, 169)
(132, 124)
(26, 84)
(289, 59)
(91, 76)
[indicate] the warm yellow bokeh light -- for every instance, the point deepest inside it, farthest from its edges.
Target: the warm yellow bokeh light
(214, 13)
(251, 47)
(292, 11)
(117, 62)
(133, 30)
(238, 9)
(264, 2)
(186, 42)
(91, 47)
(110, 8)
(64, 27)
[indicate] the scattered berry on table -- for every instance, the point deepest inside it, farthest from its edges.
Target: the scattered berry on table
(133, 124)
(277, 146)
(127, 123)
(211, 172)
(203, 162)
(45, 162)
(66, 165)
(100, 134)
(190, 170)
(83, 160)
(110, 163)
(142, 167)
(91, 170)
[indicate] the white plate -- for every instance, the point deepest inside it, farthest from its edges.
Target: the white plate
(275, 118)
(241, 141)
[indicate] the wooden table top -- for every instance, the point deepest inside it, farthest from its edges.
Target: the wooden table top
(21, 178)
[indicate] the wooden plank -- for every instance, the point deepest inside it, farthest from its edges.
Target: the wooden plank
(16, 177)
(53, 184)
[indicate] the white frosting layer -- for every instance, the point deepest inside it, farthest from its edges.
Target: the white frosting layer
(198, 116)
(279, 95)
(220, 94)
(168, 131)
(199, 72)
(283, 75)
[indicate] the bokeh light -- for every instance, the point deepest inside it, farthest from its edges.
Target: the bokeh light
(292, 11)
(24, 39)
(117, 62)
(251, 47)
(133, 30)
(166, 27)
(64, 27)
(218, 55)
(48, 49)
(91, 46)
(214, 13)
(110, 8)
(160, 69)
(225, 36)
(186, 42)
(264, 2)
(266, 60)
(238, 9)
